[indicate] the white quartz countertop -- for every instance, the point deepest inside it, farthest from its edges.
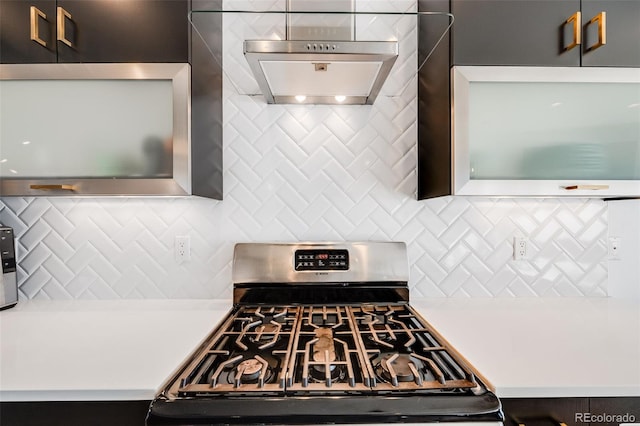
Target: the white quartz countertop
(125, 350)
(545, 347)
(98, 350)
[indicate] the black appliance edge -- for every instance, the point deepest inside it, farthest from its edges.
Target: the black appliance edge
(343, 409)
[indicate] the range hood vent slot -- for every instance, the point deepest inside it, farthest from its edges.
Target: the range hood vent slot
(318, 52)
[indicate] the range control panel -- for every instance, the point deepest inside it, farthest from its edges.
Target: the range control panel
(321, 260)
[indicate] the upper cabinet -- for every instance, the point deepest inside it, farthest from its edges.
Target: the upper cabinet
(101, 100)
(546, 32)
(546, 131)
(95, 129)
(48, 31)
(544, 102)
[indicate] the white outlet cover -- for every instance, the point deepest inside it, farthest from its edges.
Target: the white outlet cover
(182, 249)
(614, 248)
(520, 248)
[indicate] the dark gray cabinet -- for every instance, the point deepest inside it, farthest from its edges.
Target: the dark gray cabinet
(74, 413)
(543, 411)
(570, 411)
(93, 31)
(27, 31)
(513, 32)
(622, 33)
(541, 32)
(434, 120)
(620, 410)
(206, 101)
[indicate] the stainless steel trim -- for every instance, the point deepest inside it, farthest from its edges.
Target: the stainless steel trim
(178, 73)
(92, 187)
(273, 263)
(8, 289)
(8, 276)
(330, 14)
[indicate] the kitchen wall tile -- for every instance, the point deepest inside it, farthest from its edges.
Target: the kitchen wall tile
(518, 288)
(447, 260)
(309, 173)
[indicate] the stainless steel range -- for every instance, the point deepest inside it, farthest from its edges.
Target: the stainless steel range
(323, 333)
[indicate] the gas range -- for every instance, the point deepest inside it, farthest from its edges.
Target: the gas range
(323, 333)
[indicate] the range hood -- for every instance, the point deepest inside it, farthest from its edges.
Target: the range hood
(320, 72)
(336, 52)
(333, 69)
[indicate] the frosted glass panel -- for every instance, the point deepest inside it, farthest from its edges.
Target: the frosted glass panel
(542, 130)
(86, 128)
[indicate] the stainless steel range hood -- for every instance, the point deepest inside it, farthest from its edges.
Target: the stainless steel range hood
(334, 69)
(320, 72)
(317, 51)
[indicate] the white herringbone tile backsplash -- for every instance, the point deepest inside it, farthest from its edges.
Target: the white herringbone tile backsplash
(309, 173)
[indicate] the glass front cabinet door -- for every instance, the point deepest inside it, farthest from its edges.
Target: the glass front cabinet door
(94, 129)
(541, 131)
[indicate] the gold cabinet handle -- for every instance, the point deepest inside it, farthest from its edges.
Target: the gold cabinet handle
(62, 16)
(601, 19)
(63, 187)
(36, 14)
(576, 19)
(589, 187)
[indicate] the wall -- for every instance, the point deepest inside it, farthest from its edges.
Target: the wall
(624, 273)
(310, 173)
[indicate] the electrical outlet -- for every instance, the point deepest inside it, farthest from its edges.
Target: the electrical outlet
(520, 248)
(182, 248)
(614, 248)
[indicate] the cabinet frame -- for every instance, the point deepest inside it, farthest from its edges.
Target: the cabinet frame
(462, 184)
(178, 184)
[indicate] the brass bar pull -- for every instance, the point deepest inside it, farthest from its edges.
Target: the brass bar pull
(589, 187)
(63, 187)
(36, 14)
(601, 19)
(576, 19)
(62, 16)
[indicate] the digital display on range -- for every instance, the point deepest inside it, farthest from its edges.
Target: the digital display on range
(321, 260)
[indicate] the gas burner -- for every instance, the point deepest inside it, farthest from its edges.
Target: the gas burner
(382, 337)
(267, 329)
(323, 346)
(337, 374)
(395, 368)
(254, 370)
(324, 351)
(249, 369)
(324, 355)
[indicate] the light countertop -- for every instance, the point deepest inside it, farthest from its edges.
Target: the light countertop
(545, 347)
(98, 350)
(126, 349)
